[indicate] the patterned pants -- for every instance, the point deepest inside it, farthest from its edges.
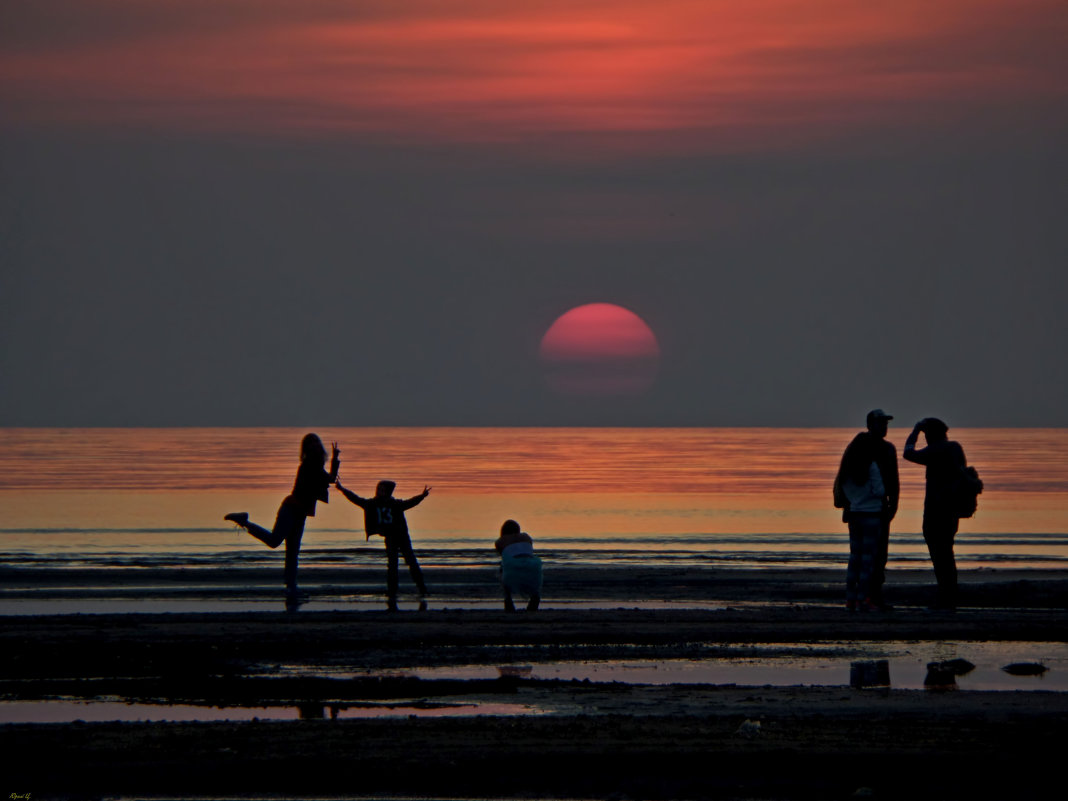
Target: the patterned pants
(864, 532)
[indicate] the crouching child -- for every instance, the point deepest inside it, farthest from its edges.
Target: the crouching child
(520, 568)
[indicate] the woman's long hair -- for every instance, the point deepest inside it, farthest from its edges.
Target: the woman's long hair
(311, 448)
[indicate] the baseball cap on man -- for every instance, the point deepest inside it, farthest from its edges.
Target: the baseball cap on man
(878, 414)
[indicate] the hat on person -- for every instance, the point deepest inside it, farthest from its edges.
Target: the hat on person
(385, 487)
(878, 414)
(932, 425)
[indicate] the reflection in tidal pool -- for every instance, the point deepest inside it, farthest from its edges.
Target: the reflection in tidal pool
(102, 711)
(781, 665)
(891, 666)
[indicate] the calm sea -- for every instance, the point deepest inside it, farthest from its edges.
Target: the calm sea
(743, 497)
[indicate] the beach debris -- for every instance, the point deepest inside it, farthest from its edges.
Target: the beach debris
(958, 667)
(1025, 669)
(940, 677)
(750, 729)
(869, 673)
(515, 671)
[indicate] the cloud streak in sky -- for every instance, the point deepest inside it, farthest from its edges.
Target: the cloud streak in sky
(716, 73)
(291, 212)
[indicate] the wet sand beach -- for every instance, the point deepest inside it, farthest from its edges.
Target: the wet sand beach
(28, 589)
(437, 734)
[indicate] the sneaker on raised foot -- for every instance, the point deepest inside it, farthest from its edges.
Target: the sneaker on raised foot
(241, 518)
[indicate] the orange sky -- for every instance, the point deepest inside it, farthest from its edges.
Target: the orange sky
(195, 193)
(714, 72)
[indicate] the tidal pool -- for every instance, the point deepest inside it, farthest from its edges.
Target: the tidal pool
(30, 606)
(99, 711)
(780, 665)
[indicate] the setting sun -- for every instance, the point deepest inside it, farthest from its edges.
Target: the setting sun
(600, 349)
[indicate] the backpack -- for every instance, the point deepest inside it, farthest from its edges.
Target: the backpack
(966, 492)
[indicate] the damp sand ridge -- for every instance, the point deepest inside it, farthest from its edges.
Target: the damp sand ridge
(577, 739)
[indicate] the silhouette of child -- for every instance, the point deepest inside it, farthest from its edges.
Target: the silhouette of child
(311, 485)
(384, 515)
(520, 568)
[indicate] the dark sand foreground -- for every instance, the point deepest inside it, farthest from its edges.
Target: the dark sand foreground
(590, 740)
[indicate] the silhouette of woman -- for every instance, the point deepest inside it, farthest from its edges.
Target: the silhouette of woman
(310, 486)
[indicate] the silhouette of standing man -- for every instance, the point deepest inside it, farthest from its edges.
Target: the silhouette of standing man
(384, 515)
(944, 460)
(877, 492)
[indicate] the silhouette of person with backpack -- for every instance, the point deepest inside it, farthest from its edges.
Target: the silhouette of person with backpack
(867, 490)
(311, 485)
(947, 480)
(384, 515)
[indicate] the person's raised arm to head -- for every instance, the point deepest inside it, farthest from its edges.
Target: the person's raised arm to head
(910, 453)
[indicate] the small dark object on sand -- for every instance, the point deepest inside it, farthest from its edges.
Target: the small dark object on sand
(869, 673)
(939, 678)
(956, 667)
(1025, 669)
